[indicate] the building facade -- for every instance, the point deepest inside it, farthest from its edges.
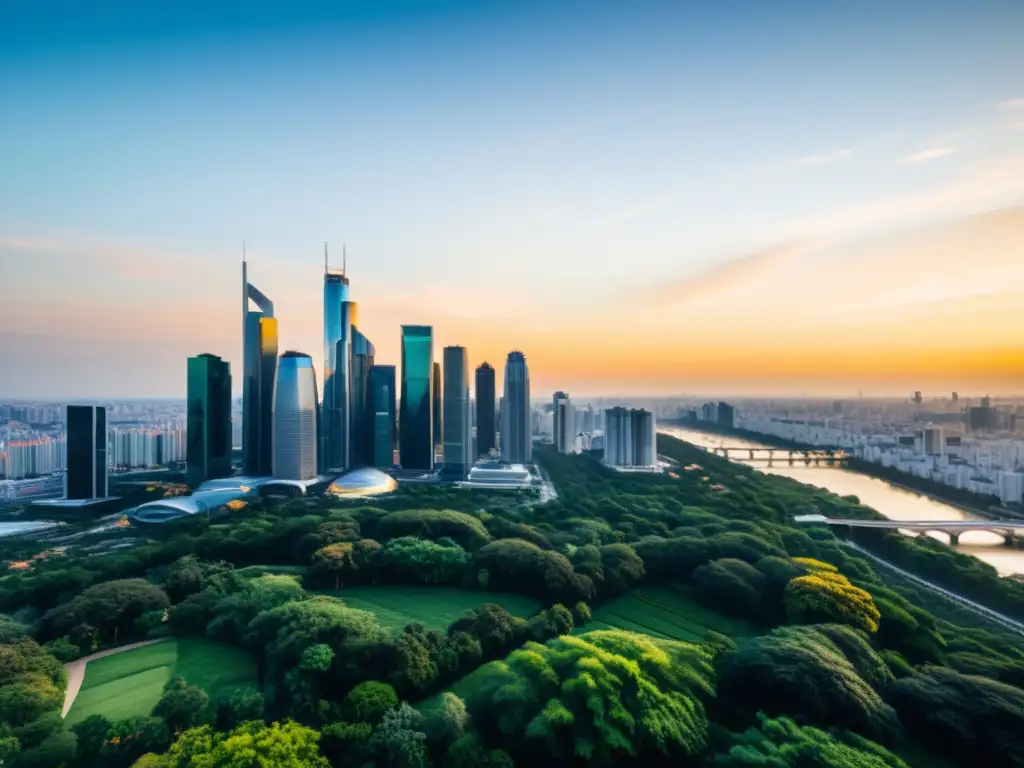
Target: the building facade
(86, 441)
(516, 437)
(296, 417)
(381, 396)
(416, 411)
(363, 355)
(208, 444)
(337, 338)
(458, 439)
(563, 432)
(629, 438)
(438, 412)
(486, 426)
(259, 367)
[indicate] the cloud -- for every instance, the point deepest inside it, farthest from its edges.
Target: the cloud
(723, 276)
(826, 158)
(1012, 104)
(927, 154)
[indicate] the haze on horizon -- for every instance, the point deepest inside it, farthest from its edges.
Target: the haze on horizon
(645, 198)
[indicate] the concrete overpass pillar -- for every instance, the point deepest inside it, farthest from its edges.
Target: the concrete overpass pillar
(1008, 539)
(954, 538)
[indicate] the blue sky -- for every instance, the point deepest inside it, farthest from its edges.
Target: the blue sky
(520, 167)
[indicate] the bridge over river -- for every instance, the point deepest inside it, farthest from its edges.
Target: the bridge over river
(771, 456)
(952, 528)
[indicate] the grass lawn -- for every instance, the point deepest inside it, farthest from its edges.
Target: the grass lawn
(667, 612)
(130, 683)
(433, 607)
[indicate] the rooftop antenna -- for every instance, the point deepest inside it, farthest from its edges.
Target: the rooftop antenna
(243, 250)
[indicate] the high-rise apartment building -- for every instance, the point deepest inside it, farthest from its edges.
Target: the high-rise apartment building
(458, 458)
(486, 426)
(416, 411)
(86, 461)
(564, 429)
(334, 438)
(381, 397)
(259, 367)
(208, 447)
(516, 437)
(629, 438)
(296, 416)
(438, 413)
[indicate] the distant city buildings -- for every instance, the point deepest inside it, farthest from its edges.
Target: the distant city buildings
(382, 413)
(629, 438)
(458, 448)
(259, 368)
(208, 447)
(486, 425)
(416, 410)
(516, 433)
(86, 461)
(295, 419)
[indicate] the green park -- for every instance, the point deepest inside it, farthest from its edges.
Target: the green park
(634, 619)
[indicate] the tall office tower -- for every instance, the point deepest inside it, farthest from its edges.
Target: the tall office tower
(516, 442)
(438, 414)
(259, 367)
(416, 411)
(644, 438)
(296, 413)
(726, 415)
(334, 440)
(208, 447)
(362, 357)
(86, 460)
(458, 441)
(618, 437)
(564, 431)
(485, 423)
(381, 397)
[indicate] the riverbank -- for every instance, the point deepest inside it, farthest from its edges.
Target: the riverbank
(985, 507)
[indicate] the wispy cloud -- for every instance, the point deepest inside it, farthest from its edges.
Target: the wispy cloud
(1012, 104)
(825, 158)
(927, 154)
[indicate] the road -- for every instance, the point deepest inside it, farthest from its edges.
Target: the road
(76, 670)
(1004, 621)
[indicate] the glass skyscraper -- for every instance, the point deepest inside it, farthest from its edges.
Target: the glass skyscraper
(485, 421)
(416, 412)
(337, 341)
(381, 397)
(86, 446)
(295, 418)
(516, 435)
(208, 443)
(563, 423)
(458, 458)
(362, 354)
(259, 366)
(438, 413)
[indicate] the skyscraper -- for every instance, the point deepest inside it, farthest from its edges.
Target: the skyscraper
(86, 445)
(296, 414)
(416, 411)
(259, 366)
(334, 439)
(208, 444)
(438, 413)
(516, 439)
(381, 397)
(485, 422)
(629, 438)
(564, 431)
(458, 440)
(362, 354)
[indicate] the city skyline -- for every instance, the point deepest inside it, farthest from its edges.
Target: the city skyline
(741, 204)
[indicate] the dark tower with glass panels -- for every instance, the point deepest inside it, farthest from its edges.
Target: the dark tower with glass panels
(416, 411)
(381, 415)
(363, 353)
(438, 416)
(486, 426)
(516, 434)
(208, 446)
(86, 445)
(259, 368)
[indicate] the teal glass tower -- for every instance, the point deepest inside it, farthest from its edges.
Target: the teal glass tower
(334, 415)
(208, 443)
(381, 400)
(416, 412)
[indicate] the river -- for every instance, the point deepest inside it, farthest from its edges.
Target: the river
(890, 500)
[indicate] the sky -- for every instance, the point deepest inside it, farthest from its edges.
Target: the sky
(730, 198)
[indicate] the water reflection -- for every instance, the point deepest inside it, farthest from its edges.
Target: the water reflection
(892, 501)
